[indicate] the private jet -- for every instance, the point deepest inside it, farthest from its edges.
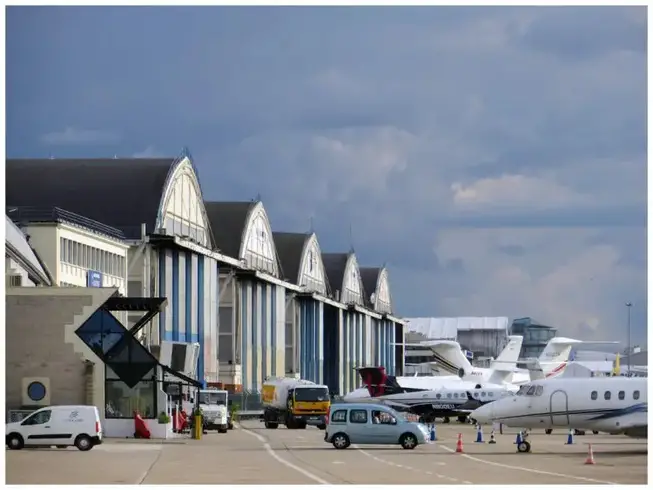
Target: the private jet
(616, 405)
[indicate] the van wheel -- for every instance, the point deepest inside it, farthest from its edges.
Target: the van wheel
(340, 441)
(408, 441)
(83, 443)
(15, 441)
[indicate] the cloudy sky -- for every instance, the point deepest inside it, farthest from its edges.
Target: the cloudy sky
(494, 158)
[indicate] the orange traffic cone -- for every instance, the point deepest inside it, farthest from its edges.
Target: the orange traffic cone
(459, 444)
(590, 455)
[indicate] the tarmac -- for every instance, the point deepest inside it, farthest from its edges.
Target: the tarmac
(251, 454)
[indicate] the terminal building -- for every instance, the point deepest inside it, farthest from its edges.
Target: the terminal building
(235, 300)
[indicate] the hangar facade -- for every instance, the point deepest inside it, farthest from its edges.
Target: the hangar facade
(157, 204)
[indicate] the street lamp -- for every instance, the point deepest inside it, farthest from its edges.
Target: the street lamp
(629, 305)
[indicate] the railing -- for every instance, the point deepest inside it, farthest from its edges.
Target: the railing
(17, 415)
(35, 214)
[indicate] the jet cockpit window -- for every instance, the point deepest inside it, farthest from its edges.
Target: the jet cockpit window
(522, 391)
(607, 395)
(539, 390)
(636, 395)
(531, 391)
(622, 395)
(594, 395)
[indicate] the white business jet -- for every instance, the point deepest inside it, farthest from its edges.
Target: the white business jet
(616, 405)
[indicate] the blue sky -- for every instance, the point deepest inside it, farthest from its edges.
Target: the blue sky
(494, 158)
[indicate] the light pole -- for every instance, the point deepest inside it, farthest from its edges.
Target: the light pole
(629, 305)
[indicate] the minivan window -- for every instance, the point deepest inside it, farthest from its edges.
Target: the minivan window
(339, 416)
(38, 418)
(358, 416)
(595, 395)
(622, 395)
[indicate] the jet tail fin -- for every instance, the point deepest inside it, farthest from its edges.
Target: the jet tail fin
(378, 383)
(535, 369)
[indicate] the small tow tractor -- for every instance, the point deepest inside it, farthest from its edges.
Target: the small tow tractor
(524, 446)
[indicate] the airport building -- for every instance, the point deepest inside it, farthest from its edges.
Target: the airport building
(23, 266)
(231, 302)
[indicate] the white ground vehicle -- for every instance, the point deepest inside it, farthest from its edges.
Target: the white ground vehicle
(215, 411)
(61, 426)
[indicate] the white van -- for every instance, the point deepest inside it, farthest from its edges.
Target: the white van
(61, 426)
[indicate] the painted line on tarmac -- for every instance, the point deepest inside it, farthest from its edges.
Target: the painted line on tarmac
(288, 464)
(530, 470)
(409, 468)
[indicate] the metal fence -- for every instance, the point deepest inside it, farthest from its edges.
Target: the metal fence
(17, 415)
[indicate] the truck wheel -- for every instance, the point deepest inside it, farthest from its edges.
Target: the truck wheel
(271, 425)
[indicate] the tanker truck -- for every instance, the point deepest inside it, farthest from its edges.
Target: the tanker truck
(295, 403)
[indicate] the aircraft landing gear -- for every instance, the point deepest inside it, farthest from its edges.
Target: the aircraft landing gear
(524, 447)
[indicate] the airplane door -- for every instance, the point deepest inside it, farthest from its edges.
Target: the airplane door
(559, 408)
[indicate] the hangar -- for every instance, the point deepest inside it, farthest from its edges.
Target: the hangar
(157, 204)
(252, 295)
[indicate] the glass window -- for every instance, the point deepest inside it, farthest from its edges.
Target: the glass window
(69, 251)
(358, 416)
(122, 401)
(594, 395)
(539, 390)
(483, 394)
(522, 390)
(438, 396)
(607, 395)
(38, 418)
(448, 395)
(62, 249)
(339, 416)
(531, 391)
(455, 395)
(476, 394)
(101, 332)
(636, 395)
(622, 395)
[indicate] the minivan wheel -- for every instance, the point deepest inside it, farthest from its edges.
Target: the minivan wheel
(83, 443)
(15, 441)
(408, 441)
(340, 441)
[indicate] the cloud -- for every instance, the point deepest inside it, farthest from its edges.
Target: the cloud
(495, 159)
(75, 136)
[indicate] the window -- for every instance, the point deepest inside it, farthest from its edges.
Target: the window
(339, 416)
(94, 265)
(38, 418)
(62, 248)
(483, 394)
(622, 395)
(358, 416)
(531, 391)
(438, 396)
(121, 401)
(448, 395)
(539, 390)
(75, 257)
(607, 395)
(101, 332)
(594, 395)
(476, 394)
(455, 395)
(636, 395)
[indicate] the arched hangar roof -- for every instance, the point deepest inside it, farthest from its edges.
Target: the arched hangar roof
(18, 248)
(163, 193)
(301, 260)
(377, 288)
(242, 231)
(344, 277)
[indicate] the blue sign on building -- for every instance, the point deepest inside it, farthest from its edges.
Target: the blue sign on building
(94, 279)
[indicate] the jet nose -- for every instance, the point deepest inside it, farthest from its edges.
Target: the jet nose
(483, 414)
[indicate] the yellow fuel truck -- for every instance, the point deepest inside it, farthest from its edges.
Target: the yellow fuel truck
(295, 403)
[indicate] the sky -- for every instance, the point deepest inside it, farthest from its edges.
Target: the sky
(493, 158)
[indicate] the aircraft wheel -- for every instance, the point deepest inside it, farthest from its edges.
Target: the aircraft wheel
(524, 447)
(548, 431)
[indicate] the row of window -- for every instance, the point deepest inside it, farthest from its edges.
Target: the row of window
(87, 257)
(608, 395)
(360, 417)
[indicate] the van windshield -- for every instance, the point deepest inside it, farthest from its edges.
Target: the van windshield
(311, 394)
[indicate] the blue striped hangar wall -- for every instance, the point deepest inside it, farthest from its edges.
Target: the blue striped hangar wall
(334, 318)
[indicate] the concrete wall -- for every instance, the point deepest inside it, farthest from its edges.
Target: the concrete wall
(40, 342)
